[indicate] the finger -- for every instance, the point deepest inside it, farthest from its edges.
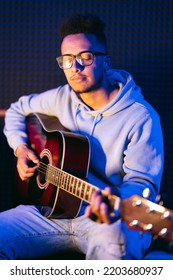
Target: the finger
(96, 200)
(87, 211)
(25, 173)
(104, 214)
(107, 191)
(91, 215)
(33, 157)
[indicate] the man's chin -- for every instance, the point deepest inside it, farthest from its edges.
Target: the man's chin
(80, 90)
(83, 90)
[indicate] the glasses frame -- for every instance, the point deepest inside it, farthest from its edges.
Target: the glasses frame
(78, 59)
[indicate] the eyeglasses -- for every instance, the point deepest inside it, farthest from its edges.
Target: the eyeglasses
(84, 58)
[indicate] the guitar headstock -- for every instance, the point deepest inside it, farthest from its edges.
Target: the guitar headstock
(143, 215)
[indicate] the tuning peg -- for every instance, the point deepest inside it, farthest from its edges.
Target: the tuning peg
(166, 215)
(138, 202)
(150, 210)
(158, 198)
(163, 232)
(148, 227)
(161, 203)
(146, 193)
(134, 223)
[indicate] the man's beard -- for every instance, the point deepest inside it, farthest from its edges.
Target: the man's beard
(89, 89)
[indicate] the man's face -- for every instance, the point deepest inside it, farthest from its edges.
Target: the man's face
(84, 79)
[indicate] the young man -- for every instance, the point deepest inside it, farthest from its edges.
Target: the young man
(126, 152)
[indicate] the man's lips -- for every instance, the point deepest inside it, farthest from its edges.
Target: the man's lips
(78, 78)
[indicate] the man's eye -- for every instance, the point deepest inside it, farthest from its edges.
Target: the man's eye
(67, 59)
(86, 56)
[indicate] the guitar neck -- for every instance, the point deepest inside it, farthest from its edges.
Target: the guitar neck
(74, 185)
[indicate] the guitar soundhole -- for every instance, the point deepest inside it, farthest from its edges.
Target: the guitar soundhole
(46, 159)
(42, 174)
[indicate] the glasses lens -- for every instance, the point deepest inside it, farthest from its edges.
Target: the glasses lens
(65, 61)
(85, 58)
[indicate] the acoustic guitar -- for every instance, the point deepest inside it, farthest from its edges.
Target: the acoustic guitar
(60, 184)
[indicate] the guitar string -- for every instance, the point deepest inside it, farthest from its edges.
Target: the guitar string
(71, 183)
(82, 190)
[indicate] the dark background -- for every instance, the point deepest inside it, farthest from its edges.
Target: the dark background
(140, 39)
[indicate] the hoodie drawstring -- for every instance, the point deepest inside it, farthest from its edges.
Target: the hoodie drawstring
(97, 119)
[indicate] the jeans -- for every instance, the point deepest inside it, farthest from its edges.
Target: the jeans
(26, 234)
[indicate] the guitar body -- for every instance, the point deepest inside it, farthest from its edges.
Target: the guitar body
(60, 149)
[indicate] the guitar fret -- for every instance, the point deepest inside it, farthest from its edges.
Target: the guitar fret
(48, 174)
(69, 183)
(78, 188)
(83, 190)
(87, 192)
(56, 177)
(74, 190)
(51, 175)
(63, 181)
(77, 191)
(71, 186)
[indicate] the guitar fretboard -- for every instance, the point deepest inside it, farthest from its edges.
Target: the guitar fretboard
(73, 184)
(70, 183)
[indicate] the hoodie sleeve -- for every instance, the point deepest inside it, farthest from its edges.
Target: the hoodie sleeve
(144, 157)
(45, 103)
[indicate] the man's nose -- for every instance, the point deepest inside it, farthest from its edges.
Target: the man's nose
(76, 66)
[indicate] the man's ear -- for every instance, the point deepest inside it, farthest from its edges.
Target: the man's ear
(107, 62)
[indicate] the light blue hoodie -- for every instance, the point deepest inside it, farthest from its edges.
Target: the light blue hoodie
(125, 138)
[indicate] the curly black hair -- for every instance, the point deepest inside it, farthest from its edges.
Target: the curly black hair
(84, 24)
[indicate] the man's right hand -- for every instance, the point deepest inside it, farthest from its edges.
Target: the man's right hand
(24, 156)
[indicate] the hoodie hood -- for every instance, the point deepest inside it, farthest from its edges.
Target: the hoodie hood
(128, 94)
